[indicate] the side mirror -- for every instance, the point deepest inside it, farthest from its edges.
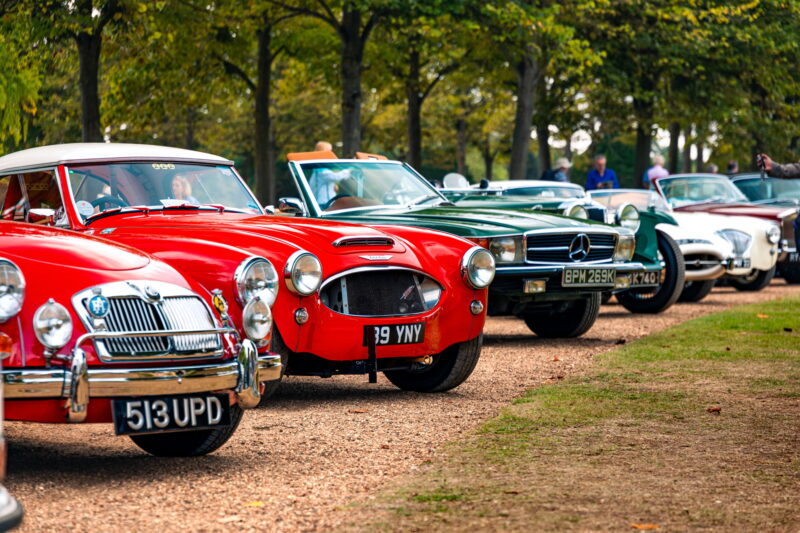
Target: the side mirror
(291, 206)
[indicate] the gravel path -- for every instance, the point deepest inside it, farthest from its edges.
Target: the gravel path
(322, 445)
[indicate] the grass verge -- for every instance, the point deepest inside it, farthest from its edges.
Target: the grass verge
(696, 427)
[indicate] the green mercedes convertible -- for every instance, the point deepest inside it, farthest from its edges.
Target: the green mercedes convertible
(551, 270)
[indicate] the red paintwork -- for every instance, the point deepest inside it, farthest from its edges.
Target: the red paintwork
(209, 245)
(57, 264)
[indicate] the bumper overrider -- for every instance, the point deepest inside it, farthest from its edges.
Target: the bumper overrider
(77, 383)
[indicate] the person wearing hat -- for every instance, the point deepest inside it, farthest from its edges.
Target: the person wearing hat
(561, 170)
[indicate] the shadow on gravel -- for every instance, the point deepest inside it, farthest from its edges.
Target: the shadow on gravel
(300, 394)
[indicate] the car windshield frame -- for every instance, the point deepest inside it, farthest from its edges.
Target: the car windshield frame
(173, 171)
(674, 202)
(300, 170)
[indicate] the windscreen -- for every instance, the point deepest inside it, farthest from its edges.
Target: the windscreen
(758, 190)
(685, 190)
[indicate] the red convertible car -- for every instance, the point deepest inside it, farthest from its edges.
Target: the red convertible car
(715, 194)
(99, 332)
(407, 302)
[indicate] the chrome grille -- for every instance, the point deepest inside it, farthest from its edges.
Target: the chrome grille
(554, 247)
(180, 313)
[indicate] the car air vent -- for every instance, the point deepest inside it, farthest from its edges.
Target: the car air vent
(381, 292)
(364, 240)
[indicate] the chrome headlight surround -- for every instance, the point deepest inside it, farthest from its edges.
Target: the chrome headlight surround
(575, 211)
(507, 249)
(626, 246)
(431, 293)
(256, 276)
(740, 240)
(628, 217)
(52, 325)
(477, 267)
(303, 273)
(257, 320)
(12, 290)
(774, 234)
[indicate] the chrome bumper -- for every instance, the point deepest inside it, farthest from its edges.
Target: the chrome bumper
(78, 383)
(622, 268)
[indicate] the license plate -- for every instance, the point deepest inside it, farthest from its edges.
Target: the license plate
(741, 263)
(639, 279)
(396, 334)
(794, 257)
(154, 414)
(588, 277)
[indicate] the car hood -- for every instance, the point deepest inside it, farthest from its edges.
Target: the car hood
(466, 222)
(62, 248)
(761, 211)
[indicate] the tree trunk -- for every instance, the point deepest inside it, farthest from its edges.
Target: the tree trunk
(543, 138)
(542, 126)
(488, 157)
(414, 110)
(191, 118)
(674, 137)
(699, 162)
(687, 149)
(568, 146)
(521, 137)
(89, 57)
(461, 145)
(264, 168)
(644, 137)
(351, 66)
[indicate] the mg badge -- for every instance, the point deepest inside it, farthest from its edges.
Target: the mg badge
(579, 247)
(375, 257)
(219, 301)
(98, 306)
(152, 293)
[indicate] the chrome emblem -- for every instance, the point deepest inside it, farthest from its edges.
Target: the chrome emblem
(375, 257)
(152, 293)
(579, 247)
(98, 306)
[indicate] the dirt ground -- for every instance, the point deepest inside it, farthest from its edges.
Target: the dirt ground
(321, 445)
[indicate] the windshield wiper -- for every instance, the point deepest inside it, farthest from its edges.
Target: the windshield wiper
(425, 199)
(116, 211)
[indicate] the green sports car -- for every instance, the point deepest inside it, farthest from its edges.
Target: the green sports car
(551, 270)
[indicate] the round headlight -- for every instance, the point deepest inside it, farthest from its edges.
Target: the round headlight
(257, 319)
(628, 217)
(52, 325)
(12, 290)
(256, 276)
(477, 267)
(773, 234)
(504, 249)
(303, 273)
(576, 211)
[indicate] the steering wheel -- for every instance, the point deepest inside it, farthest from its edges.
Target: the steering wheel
(330, 202)
(107, 199)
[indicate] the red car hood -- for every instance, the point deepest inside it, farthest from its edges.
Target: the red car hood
(760, 211)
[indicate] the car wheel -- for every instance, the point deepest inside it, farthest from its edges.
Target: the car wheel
(279, 347)
(578, 318)
(791, 274)
(672, 279)
(754, 281)
(189, 443)
(448, 370)
(694, 291)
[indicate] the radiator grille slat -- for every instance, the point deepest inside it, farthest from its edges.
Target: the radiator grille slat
(378, 293)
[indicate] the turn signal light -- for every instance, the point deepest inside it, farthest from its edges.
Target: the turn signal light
(6, 344)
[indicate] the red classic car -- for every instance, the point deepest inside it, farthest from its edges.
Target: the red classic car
(403, 301)
(714, 193)
(100, 332)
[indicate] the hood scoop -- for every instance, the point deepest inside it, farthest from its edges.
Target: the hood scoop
(363, 240)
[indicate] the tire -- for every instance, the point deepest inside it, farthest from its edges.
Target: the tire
(280, 348)
(189, 443)
(755, 281)
(574, 322)
(791, 274)
(694, 291)
(448, 370)
(606, 297)
(672, 279)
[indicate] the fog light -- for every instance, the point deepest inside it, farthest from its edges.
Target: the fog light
(622, 282)
(476, 307)
(534, 286)
(301, 316)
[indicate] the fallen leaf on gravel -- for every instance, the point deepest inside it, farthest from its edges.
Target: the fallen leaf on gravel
(254, 504)
(357, 411)
(555, 358)
(727, 348)
(556, 377)
(761, 315)
(229, 519)
(645, 526)
(385, 446)
(715, 410)
(788, 330)
(620, 341)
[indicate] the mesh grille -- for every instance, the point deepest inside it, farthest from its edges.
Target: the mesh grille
(381, 293)
(554, 248)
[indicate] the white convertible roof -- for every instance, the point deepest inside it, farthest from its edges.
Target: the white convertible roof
(48, 156)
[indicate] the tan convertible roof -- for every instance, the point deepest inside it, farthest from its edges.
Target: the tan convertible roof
(48, 156)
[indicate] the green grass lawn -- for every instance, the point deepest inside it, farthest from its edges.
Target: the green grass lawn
(696, 427)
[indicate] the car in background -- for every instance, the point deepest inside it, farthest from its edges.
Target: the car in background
(551, 270)
(99, 332)
(768, 191)
(352, 299)
(654, 245)
(715, 194)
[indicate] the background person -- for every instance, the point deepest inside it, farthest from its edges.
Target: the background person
(561, 171)
(733, 167)
(776, 170)
(323, 182)
(601, 177)
(656, 171)
(182, 190)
